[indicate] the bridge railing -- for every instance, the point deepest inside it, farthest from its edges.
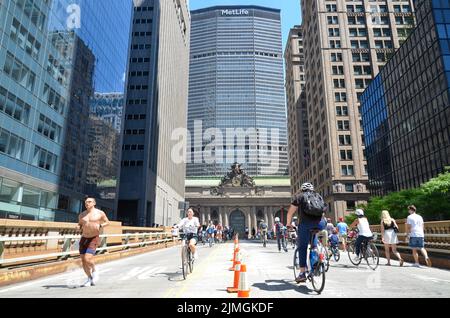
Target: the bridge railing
(23, 242)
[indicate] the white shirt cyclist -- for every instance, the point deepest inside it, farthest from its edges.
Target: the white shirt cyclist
(189, 226)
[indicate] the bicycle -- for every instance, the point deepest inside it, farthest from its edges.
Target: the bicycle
(283, 238)
(264, 238)
(187, 258)
(335, 252)
(292, 238)
(368, 251)
(315, 266)
(324, 250)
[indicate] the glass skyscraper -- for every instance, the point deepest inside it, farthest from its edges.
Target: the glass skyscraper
(54, 56)
(236, 82)
(405, 110)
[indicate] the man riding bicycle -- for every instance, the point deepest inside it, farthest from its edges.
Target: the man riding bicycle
(307, 223)
(210, 231)
(190, 225)
(263, 227)
(279, 231)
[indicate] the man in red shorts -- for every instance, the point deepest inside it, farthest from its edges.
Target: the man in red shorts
(91, 221)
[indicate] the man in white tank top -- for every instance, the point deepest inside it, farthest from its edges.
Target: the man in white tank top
(365, 234)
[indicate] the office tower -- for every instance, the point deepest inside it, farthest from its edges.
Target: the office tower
(236, 83)
(54, 55)
(346, 44)
(151, 179)
(298, 132)
(405, 109)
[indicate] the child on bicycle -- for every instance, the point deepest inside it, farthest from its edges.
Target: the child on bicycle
(334, 239)
(365, 234)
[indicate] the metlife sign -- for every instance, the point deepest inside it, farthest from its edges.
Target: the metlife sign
(234, 12)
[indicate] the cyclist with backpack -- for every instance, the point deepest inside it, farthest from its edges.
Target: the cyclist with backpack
(279, 231)
(263, 227)
(311, 207)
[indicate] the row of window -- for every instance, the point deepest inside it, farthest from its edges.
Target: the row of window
(136, 117)
(377, 20)
(33, 12)
(137, 102)
(19, 72)
(132, 163)
(133, 147)
(235, 53)
(142, 21)
(48, 128)
(24, 39)
(14, 106)
(143, 9)
(138, 87)
(11, 144)
(134, 131)
(54, 100)
(142, 33)
(139, 60)
(44, 159)
(139, 73)
(141, 47)
(57, 70)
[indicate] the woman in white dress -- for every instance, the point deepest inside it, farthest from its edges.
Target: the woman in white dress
(389, 236)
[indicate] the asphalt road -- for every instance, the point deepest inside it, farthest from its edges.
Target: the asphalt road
(269, 274)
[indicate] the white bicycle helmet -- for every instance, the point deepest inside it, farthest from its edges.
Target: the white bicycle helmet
(359, 212)
(277, 219)
(307, 187)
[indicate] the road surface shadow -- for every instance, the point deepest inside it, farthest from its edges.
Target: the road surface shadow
(62, 286)
(283, 285)
(173, 277)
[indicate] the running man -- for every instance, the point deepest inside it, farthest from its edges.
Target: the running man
(91, 222)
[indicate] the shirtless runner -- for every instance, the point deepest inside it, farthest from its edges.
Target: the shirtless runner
(91, 221)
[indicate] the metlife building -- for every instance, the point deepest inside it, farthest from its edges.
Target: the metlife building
(237, 110)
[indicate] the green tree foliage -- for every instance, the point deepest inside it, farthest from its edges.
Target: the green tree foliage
(432, 201)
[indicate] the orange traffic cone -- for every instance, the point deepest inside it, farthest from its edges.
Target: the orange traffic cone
(244, 290)
(235, 257)
(237, 273)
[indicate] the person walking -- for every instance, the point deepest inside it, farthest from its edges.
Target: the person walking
(342, 228)
(416, 235)
(389, 236)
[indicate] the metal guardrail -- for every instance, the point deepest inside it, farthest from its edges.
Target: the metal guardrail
(69, 240)
(430, 249)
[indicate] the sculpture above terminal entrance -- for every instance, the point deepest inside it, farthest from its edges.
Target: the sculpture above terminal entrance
(237, 178)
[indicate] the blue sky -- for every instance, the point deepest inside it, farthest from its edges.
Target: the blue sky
(290, 10)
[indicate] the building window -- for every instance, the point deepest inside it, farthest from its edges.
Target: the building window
(347, 170)
(11, 144)
(44, 159)
(349, 187)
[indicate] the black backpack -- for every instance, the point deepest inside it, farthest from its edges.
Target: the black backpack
(313, 204)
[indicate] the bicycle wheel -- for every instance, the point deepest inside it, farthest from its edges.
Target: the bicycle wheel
(336, 254)
(184, 262)
(296, 263)
(318, 278)
(326, 260)
(352, 254)
(283, 244)
(371, 256)
(191, 262)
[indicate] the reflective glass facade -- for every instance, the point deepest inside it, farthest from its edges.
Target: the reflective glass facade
(54, 56)
(236, 81)
(406, 111)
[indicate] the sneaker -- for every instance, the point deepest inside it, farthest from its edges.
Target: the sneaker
(95, 277)
(416, 265)
(88, 283)
(428, 260)
(356, 259)
(301, 278)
